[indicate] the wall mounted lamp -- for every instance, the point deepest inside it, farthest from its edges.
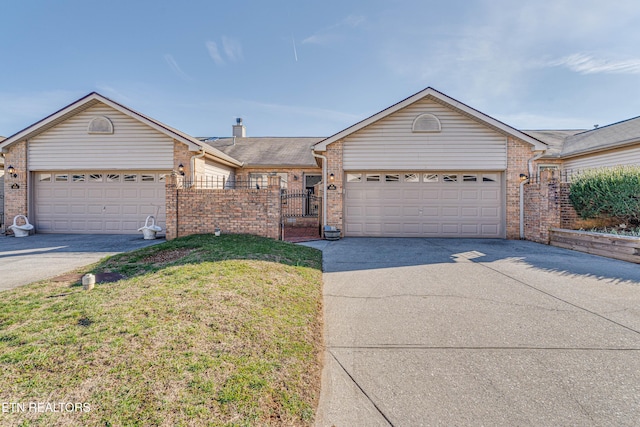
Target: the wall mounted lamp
(12, 171)
(332, 177)
(181, 169)
(523, 177)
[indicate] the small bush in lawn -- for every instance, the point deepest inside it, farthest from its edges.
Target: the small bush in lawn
(608, 193)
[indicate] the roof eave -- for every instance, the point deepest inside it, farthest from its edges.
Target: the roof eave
(608, 147)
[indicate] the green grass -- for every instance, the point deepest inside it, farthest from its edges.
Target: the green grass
(222, 331)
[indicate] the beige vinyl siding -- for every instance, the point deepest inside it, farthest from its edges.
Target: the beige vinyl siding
(68, 146)
(217, 171)
(626, 156)
(390, 144)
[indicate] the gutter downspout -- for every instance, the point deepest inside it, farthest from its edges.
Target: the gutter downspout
(522, 183)
(324, 183)
(192, 163)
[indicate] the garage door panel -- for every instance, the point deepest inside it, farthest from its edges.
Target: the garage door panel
(431, 211)
(424, 204)
(450, 195)
(490, 195)
(450, 211)
(77, 209)
(97, 205)
(490, 229)
(470, 229)
(470, 194)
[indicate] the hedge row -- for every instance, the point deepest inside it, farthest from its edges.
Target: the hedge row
(608, 193)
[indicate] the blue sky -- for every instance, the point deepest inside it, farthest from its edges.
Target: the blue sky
(312, 68)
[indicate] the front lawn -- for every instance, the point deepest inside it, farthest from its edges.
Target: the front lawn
(201, 330)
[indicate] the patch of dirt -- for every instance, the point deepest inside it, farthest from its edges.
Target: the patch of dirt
(164, 257)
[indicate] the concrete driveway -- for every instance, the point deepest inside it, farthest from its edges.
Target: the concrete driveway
(478, 332)
(41, 256)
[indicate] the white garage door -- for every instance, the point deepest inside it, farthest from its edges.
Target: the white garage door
(87, 202)
(424, 204)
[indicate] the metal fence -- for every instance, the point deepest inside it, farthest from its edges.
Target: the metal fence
(222, 183)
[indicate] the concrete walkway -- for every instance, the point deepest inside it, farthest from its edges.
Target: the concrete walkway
(42, 256)
(478, 332)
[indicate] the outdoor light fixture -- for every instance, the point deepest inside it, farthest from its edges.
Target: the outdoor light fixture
(523, 177)
(181, 169)
(332, 177)
(12, 171)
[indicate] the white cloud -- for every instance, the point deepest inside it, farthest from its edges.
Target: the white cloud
(232, 48)
(214, 53)
(334, 32)
(175, 67)
(587, 64)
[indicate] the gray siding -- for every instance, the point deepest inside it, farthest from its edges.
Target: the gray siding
(626, 156)
(390, 144)
(68, 146)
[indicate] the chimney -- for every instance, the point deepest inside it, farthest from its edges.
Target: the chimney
(239, 130)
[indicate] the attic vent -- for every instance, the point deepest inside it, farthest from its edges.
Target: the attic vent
(100, 125)
(426, 123)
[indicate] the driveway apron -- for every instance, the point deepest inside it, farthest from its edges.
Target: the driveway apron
(478, 332)
(42, 256)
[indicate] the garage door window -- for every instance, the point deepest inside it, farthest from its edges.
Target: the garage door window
(411, 177)
(113, 177)
(430, 177)
(130, 178)
(373, 177)
(77, 178)
(393, 177)
(470, 178)
(95, 177)
(147, 178)
(354, 177)
(44, 177)
(490, 177)
(62, 177)
(449, 178)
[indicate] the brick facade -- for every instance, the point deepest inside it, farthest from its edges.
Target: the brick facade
(335, 198)
(182, 156)
(546, 206)
(239, 211)
(518, 155)
(16, 199)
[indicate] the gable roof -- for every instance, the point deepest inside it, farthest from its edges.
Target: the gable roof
(94, 98)
(439, 96)
(620, 134)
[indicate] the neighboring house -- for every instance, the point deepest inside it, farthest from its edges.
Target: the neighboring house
(290, 158)
(96, 166)
(428, 166)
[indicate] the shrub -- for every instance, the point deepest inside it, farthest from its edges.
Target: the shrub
(608, 193)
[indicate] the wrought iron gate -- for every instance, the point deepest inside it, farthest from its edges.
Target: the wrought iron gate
(300, 204)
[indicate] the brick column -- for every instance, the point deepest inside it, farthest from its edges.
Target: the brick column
(171, 195)
(335, 197)
(16, 189)
(274, 208)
